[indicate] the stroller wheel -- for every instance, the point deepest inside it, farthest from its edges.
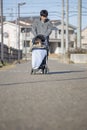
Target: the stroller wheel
(31, 71)
(46, 70)
(42, 71)
(34, 71)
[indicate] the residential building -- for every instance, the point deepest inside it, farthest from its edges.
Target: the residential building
(55, 37)
(84, 38)
(11, 35)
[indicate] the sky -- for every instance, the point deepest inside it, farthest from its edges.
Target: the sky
(54, 7)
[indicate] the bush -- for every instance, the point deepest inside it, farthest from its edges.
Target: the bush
(78, 50)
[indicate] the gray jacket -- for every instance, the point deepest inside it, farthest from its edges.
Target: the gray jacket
(43, 28)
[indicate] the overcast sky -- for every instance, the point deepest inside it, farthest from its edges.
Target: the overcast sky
(33, 7)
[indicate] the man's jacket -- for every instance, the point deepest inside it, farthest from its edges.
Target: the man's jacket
(43, 28)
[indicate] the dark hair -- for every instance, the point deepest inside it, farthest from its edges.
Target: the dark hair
(40, 38)
(44, 13)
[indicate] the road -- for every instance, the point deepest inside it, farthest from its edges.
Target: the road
(55, 101)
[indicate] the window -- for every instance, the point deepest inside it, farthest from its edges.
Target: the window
(26, 44)
(27, 30)
(64, 31)
(59, 44)
(71, 44)
(59, 31)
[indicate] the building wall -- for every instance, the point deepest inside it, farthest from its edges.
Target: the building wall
(55, 39)
(11, 40)
(10, 35)
(84, 38)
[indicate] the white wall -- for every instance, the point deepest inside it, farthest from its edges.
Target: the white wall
(11, 40)
(78, 58)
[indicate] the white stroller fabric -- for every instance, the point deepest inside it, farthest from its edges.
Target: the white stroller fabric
(37, 57)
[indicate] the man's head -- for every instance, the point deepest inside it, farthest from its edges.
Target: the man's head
(43, 15)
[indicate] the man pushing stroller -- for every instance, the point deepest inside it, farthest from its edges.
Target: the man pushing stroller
(41, 29)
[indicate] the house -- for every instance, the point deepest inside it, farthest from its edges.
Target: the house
(11, 35)
(55, 37)
(84, 38)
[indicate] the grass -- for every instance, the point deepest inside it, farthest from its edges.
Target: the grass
(5, 65)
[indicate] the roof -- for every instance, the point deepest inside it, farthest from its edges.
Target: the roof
(14, 23)
(58, 22)
(21, 22)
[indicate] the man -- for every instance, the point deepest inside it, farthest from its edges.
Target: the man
(42, 26)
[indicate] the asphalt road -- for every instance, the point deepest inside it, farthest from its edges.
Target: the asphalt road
(56, 101)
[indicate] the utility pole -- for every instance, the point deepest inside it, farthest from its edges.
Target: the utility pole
(79, 23)
(25, 43)
(18, 33)
(62, 29)
(19, 5)
(1, 14)
(67, 22)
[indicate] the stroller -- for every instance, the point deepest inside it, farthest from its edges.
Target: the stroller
(39, 56)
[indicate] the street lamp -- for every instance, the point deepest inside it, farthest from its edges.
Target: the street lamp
(19, 4)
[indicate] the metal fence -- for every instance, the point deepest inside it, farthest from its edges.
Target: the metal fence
(10, 54)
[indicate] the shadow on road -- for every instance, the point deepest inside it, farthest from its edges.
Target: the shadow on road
(65, 72)
(46, 80)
